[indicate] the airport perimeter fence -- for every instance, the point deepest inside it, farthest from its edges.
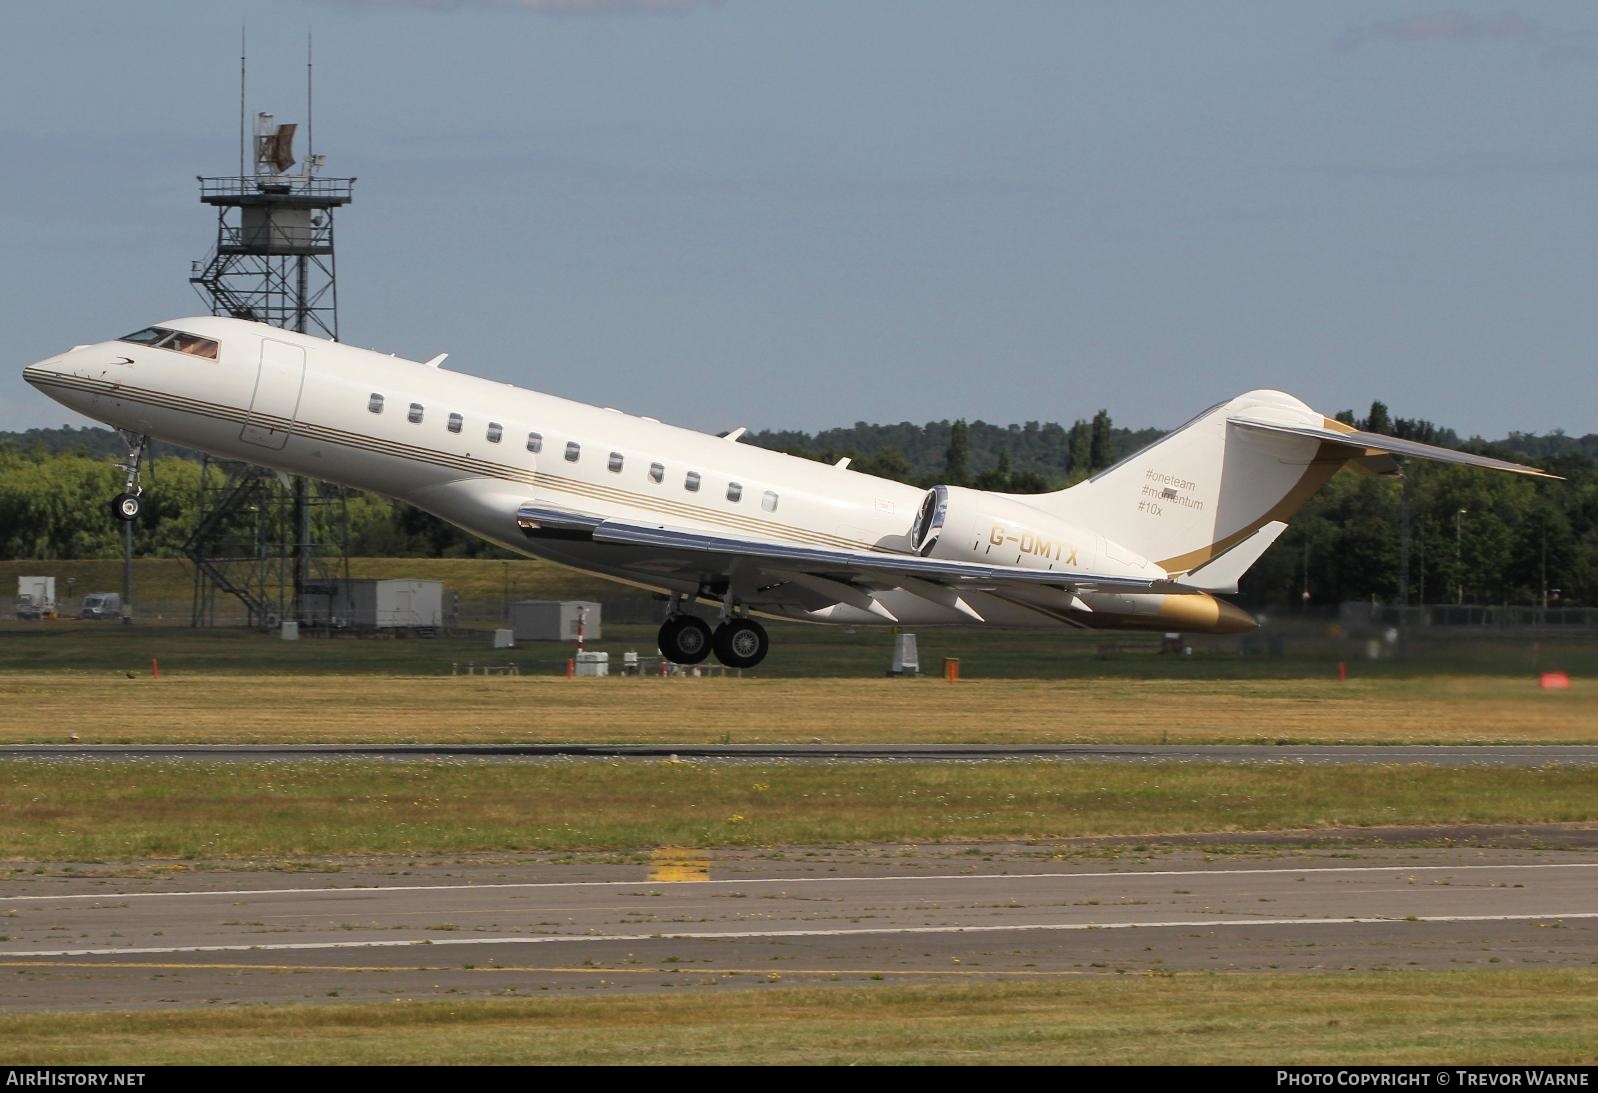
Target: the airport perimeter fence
(482, 613)
(1468, 617)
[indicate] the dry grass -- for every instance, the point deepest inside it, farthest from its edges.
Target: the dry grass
(1454, 1018)
(109, 708)
(97, 811)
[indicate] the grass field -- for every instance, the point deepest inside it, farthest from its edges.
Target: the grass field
(1299, 648)
(798, 652)
(1510, 1017)
(89, 811)
(821, 684)
(101, 708)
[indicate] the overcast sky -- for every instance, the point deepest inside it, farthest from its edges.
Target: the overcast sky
(808, 213)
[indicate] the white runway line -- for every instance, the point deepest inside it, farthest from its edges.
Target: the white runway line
(735, 882)
(745, 935)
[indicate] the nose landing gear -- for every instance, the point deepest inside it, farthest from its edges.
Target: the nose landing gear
(129, 503)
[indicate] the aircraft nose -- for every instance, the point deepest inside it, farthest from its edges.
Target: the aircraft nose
(64, 378)
(43, 372)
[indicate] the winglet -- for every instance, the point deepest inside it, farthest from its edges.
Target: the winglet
(436, 361)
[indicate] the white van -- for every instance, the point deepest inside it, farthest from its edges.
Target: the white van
(101, 605)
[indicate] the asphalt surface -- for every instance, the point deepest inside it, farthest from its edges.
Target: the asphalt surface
(87, 938)
(1529, 755)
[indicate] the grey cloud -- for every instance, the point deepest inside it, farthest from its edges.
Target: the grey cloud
(1445, 26)
(577, 8)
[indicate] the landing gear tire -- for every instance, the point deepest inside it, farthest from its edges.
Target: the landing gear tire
(127, 506)
(685, 639)
(741, 643)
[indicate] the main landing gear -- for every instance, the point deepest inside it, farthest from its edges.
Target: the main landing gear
(737, 642)
(129, 503)
(685, 639)
(741, 643)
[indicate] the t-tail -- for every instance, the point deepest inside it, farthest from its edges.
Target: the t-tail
(1205, 501)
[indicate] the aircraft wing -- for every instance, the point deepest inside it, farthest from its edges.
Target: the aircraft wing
(846, 576)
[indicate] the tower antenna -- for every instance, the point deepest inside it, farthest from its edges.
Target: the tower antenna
(243, 124)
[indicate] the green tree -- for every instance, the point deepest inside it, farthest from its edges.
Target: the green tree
(1101, 448)
(1079, 446)
(888, 463)
(997, 477)
(957, 458)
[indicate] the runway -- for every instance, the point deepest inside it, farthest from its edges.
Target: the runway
(809, 916)
(1526, 755)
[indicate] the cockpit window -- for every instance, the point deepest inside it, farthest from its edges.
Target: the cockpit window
(162, 338)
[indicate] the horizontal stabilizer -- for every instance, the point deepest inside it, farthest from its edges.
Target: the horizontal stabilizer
(1391, 445)
(1221, 574)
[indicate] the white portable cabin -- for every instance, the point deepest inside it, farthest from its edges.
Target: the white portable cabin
(398, 604)
(554, 620)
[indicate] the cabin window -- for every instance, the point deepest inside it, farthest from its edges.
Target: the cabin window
(615, 462)
(375, 403)
(574, 451)
(535, 442)
(455, 423)
(415, 416)
(768, 501)
(494, 432)
(690, 482)
(735, 491)
(657, 472)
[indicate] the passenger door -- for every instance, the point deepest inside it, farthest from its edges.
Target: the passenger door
(276, 400)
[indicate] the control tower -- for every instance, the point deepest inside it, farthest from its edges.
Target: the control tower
(273, 260)
(269, 545)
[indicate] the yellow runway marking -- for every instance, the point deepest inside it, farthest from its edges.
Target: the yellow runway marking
(695, 969)
(671, 864)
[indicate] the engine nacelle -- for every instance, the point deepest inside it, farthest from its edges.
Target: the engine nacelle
(970, 524)
(959, 524)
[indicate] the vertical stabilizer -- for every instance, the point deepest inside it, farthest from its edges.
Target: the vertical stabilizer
(1208, 486)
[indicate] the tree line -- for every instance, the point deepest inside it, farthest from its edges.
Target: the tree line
(1472, 536)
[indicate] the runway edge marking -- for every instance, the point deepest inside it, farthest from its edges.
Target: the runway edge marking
(799, 880)
(745, 935)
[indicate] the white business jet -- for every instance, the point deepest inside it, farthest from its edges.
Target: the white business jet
(709, 521)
